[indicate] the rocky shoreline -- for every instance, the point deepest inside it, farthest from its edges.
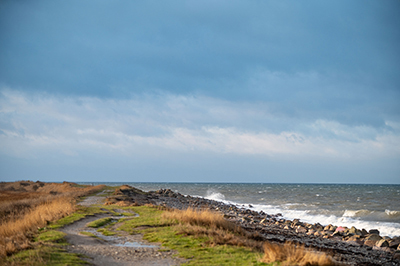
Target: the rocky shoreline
(351, 246)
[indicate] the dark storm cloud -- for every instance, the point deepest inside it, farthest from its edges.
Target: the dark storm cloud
(216, 76)
(96, 48)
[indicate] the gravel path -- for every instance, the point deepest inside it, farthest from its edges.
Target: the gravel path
(121, 249)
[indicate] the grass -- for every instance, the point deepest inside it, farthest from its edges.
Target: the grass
(167, 228)
(16, 234)
(27, 207)
(106, 232)
(51, 236)
(206, 238)
(203, 238)
(47, 247)
(290, 254)
(100, 222)
(43, 255)
(90, 234)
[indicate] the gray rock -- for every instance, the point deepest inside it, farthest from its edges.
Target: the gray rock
(382, 243)
(374, 231)
(373, 237)
(393, 243)
(355, 231)
(301, 230)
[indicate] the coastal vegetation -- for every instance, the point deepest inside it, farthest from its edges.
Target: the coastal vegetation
(29, 232)
(27, 207)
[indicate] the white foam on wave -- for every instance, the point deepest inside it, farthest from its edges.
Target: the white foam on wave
(213, 195)
(385, 228)
(349, 218)
(392, 213)
(356, 213)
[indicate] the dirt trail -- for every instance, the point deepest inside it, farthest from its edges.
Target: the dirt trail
(120, 249)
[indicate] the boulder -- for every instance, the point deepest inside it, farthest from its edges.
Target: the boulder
(301, 230)
(369, 243)
(396, 255)
(374, 231)
(337, 233)
(382, 243)
(373, 237)
(356, 240)
(386, 249)
(311, 232)
(355, 231)
(318, 226)
(364, 232)
(393, 243)
(326, 228)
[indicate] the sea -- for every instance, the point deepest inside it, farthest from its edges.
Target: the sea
(362, 206)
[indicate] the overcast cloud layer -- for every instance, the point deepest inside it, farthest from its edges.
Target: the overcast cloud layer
(225, 91)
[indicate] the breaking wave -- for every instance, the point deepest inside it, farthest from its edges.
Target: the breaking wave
(347, 218)
(213, 195)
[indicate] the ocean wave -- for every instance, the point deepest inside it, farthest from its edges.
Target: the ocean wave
(349, 218)
(356, 213)
(386, 228)
(213, 195)
(392, 213)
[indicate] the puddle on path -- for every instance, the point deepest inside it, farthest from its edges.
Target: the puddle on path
(135, 245)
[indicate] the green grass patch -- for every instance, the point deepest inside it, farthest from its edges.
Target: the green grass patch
(106, 232)
(196, 249)
(51, 236)
(148, 217)
(44, 255)
(48, 246)
(100, 222)
(80, 213)
(90, 234)
(47, 250)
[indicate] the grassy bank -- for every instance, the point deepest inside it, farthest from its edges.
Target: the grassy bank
(27, 206)
(206, 238)
(203, 238)
(47, 247)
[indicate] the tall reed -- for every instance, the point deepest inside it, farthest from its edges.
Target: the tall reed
(291, 254)
(23, 213)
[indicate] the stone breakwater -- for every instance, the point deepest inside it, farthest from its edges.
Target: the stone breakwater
(351, 246)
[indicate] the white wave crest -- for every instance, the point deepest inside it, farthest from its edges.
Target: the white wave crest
(212, 195)
(392, 213)
(356, 213)
(385, 228)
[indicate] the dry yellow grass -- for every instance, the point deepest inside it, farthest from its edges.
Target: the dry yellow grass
(290, 254)
(213, 225)
(221, 231)
(15, 234)
(202, 218)
(24, 209)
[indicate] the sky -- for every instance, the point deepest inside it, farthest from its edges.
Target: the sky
(200, 91)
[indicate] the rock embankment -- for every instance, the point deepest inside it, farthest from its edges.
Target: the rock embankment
(348, 245)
